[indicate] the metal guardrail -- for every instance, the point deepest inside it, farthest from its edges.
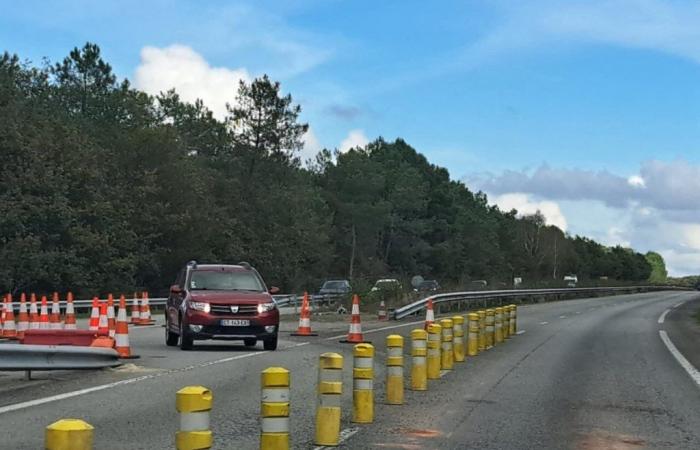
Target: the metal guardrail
(55, 357)
(419, 305)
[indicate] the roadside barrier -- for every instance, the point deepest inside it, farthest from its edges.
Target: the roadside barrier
(9, 329)
(482, 330)
(135, 310)
(394, 369)
(490, 322)
(381, 313)
(194, 405)
(330, 389)
(363, 384)
(111, 322)
(434, 341)
(55, 317)
(473, 330)
(429, 314)
(274, 409)
(23, 317)
(68, 434)
(498, 325)
(95, 315)
(513, 319)
(355, 331)
(447, 354)
(458, 338)
(69, 324)
(419, 352)
(505, 328)
(304, 328)
(33, 313)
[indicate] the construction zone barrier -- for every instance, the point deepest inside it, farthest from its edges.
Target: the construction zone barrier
(68, 434)
(434, 343)
(194, 405)
(394, 369)
(458, 338)
(419, 353)
(274, 409)
(330, 389)
(363, 384)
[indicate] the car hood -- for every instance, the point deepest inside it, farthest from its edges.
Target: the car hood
(231, 297)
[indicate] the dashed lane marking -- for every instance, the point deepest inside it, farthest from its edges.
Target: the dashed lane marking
(662, 317)
(685, 364)
(562, 317)
(544, 323)
(344, 436)
(102, 387)
(521, 332)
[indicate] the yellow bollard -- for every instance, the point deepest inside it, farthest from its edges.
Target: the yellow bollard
(419, 351)
(362, 380)
(458, 338)
(447, 354)
(498, 325)
(68, 434)
(506, 322)
(330, 389)
(473, 342)
(394, 369)
(434, 342)
(274, 409)
(513, 320)
(482, 330)
(194, 404)
(490, 323)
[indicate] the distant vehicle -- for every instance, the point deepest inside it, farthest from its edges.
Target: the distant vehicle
(571, 280)
(428, 286)
(223, 302)
(387, 284)
(332, 287)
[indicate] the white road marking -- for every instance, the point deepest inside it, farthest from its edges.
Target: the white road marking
(521, 332)
(562, 317)
(102, 387)
(578, 312)
(662, 317)
(692, 371)
(679, 304)
(544, 323)
(344, 436)
(391, 327)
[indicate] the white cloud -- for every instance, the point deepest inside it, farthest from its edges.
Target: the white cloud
(636, 181)
(311, 146)
(182, 68)
(526, 206)
(355, 138)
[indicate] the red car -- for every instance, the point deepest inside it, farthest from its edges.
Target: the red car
(220, 301)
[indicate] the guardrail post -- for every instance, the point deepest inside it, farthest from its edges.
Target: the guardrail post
(513, 319)
(506, 322)
(362, 384)
(419, 352)
(434, 343)
(330, 389)
(447, 355)
(458, 338)
(498, 325)
(482, 330)
(274, 409)
(394, 370)
(194, 404)
(490, 322)
(473, 341)
(68, 434)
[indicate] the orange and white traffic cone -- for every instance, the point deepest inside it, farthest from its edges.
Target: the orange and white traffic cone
(381, 313)
(44, 315)
(355, 332)
(94, 315)
(55, 317)
(33, 313)
(121, 335)
(135, 310)
(429, 314)
(70, 313)
(23, 318)
(145, 317)
(111, 322)
(304, 328)
(9, 329)
(103, 325)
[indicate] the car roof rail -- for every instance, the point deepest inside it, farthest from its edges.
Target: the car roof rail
(192, 263)
(245, 265)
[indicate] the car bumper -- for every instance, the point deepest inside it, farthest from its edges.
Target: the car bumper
(202, 326)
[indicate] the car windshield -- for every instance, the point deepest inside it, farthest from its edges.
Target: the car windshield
(225, 281)
(334, 285)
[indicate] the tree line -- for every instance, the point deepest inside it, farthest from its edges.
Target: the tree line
(106, 188)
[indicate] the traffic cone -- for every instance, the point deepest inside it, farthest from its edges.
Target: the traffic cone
(355, 332)
(135, 310)
(70, 313)
(304, 328)
(9, 330)
(44, 315)
(429, 314)
(121, 335)
(94, 315)
(103, 325)
(55, 317)
(111, 323)
(145, 317)
(33, 313)
(23, 318)
(381, 314)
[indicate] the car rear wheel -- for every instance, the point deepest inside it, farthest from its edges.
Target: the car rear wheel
(250, 342)
(270, 344)
(171, 338)
(186, 341)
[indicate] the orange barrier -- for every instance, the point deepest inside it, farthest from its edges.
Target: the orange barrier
(304, 328)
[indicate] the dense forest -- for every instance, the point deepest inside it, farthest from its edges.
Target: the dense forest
(105, 188)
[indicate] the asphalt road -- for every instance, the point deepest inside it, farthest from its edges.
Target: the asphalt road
(584, 374)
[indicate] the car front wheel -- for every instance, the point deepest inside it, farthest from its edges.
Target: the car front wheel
(171, 338)
(186, 340)
(270, 344)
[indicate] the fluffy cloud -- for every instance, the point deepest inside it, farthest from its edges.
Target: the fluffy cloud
(311, 145)
(527, 206)
(180, 67)
(355, 138)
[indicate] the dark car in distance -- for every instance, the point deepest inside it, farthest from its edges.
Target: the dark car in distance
(221, 302)
(335, 287)
(428, 286)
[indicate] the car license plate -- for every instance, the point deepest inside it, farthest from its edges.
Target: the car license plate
(235, 323)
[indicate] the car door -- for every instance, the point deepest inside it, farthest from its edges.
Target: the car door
(175, 299)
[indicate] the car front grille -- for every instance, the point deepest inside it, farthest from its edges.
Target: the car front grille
(243, 310)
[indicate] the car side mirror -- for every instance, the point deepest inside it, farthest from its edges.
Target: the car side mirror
(175, 289)
(274, 290)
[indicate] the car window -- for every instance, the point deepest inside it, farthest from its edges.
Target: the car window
(225, 281)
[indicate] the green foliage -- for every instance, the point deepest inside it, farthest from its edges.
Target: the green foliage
(105, 188)
(658, 267)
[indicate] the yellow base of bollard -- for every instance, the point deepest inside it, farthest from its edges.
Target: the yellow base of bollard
(274, 441)
(193, 440)
(394, 390)
(327, 426)
(363, 406)
(69, 434)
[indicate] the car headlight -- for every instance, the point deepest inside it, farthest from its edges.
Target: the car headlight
(200, 306)
(265, 307)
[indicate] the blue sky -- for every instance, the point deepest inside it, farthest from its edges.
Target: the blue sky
(539, 103)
